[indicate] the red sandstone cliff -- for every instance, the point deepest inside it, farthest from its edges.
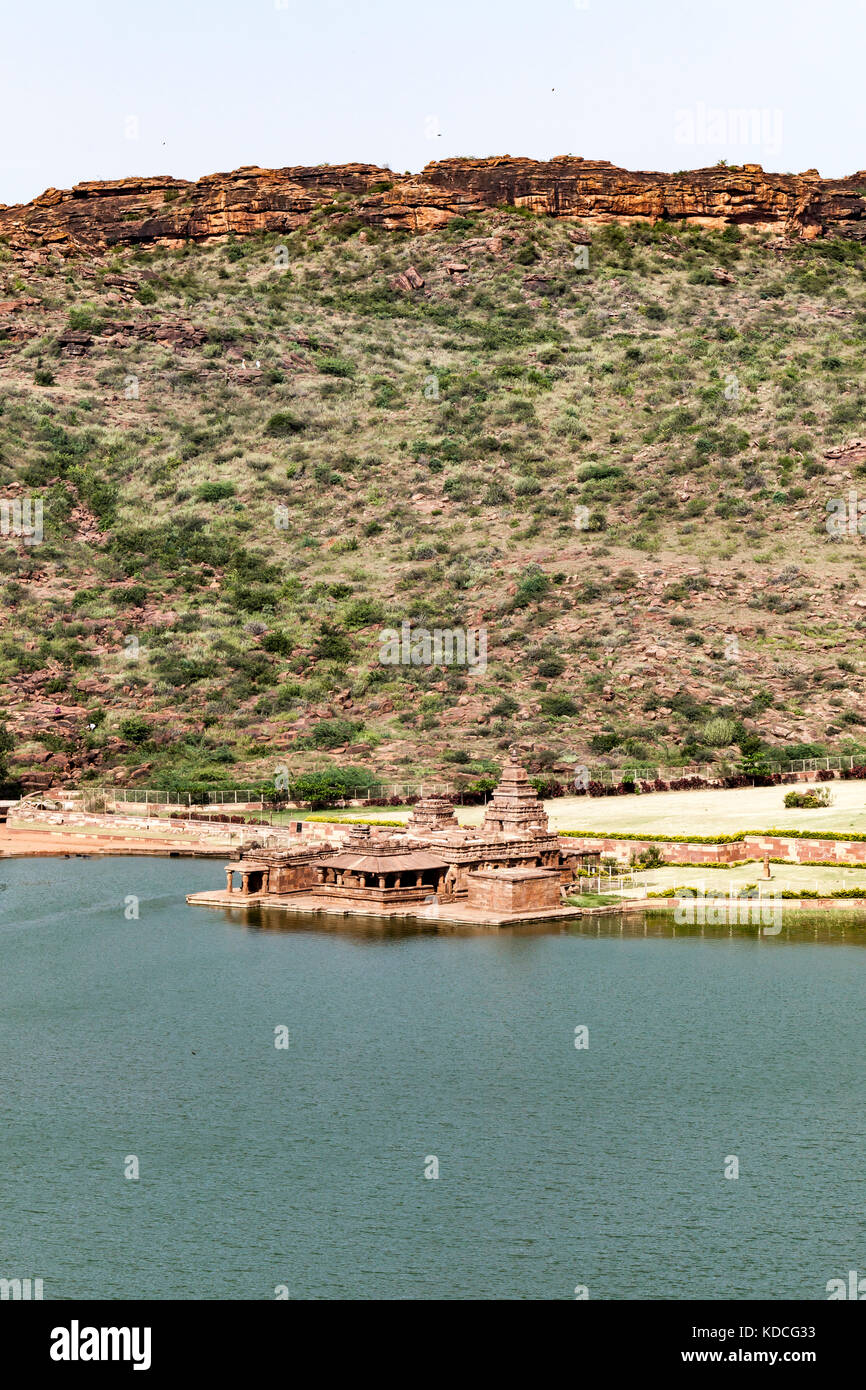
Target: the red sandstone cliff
(127, 211)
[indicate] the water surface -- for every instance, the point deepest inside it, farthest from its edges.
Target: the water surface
(304, 1167)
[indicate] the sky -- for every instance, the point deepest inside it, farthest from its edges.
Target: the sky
(104, 89)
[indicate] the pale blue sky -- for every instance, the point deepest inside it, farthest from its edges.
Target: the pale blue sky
(212, 84)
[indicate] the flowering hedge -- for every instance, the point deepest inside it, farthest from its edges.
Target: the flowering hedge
(628, 786)
(849, 835)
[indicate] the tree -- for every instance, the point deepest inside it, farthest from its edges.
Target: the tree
(330, 785)
(6, 744)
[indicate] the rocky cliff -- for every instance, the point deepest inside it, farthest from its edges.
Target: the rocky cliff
(800, 204)
(162, 209)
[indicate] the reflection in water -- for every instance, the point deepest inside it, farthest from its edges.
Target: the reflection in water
(800, 926)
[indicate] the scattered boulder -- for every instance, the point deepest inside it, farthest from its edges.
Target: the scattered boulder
(849, 454)
(408, 281)
(74, 341)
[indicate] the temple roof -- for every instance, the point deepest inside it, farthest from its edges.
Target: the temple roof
(382, 863)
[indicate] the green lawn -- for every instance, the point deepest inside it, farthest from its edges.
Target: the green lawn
(709, 812)
(784, 876)
(669, 813)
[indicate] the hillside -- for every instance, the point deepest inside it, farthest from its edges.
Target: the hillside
(268, 417)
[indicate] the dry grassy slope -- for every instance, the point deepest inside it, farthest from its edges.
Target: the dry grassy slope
(685, 391)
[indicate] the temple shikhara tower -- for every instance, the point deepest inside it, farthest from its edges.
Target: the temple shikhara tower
(514, 808)
(510, 868)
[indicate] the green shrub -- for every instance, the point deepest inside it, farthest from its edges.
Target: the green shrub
(362, 612)
(134, 729)
(335, 366)
(719, 733)
(332, 645)
(284, 424)
(534, 585)
(551, 666)
(215, 492)
(330, 733)
(278, 642)
(558, 705)
(82, 318)
(810, 800)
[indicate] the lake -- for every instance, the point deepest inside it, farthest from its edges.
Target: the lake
(151, 1041)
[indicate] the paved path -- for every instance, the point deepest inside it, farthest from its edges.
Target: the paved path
(18, 843)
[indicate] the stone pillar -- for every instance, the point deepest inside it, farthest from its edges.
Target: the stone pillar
(230, 880)
(381, 880)
(245, 882)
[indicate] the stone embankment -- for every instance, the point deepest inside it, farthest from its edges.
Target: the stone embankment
(792, 849)
(30, 830)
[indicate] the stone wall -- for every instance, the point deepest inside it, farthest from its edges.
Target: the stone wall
(805, 851)
(508, 891)
(791, 848)
(675, 852)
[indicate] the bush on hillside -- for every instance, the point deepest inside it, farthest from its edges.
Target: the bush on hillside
(283, 424)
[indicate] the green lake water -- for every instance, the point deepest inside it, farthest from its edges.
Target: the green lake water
(304, 1166)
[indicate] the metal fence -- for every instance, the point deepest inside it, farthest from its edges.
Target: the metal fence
(606, 883)
(254, 801)
(609, 776)
(250, 801)
(234, 796)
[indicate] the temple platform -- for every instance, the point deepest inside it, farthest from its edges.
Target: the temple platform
(512, 870)
(312, 904)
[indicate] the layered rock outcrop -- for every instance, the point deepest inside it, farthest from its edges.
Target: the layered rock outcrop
(129, 211)
(97, 215)
(800, 204)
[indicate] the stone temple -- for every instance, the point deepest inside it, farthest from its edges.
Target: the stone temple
(511, 868)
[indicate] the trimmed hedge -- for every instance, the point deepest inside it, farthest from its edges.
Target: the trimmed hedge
(810, 834)
(852, 835)
(748, 898)
(630, 785)
(662, 839)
